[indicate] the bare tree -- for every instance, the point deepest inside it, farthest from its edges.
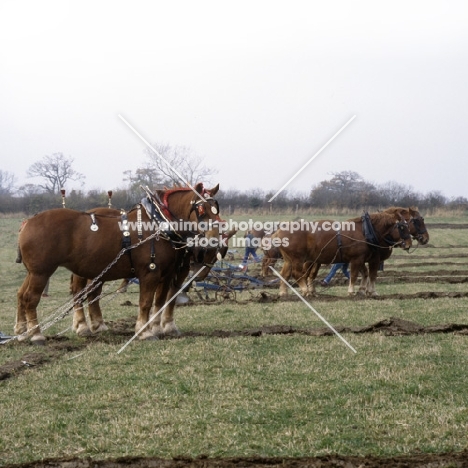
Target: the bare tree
(7, 183)
(346, 189)
(180, 158)
(56, 169)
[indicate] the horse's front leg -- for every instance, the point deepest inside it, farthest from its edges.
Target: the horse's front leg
(299, 273)
(142, 326)
(164, 324)
(363, 287)
(354, 271)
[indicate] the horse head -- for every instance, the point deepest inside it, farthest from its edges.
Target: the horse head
(199, 210)
(207, 256)
(417, 226)
(415, 222)
(401, 233)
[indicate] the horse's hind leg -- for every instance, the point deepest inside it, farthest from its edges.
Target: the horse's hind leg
(80, 326)
(29, 296)
(96, 320)
(21, 325)
(364, 280)
(311, 275)
(373, 270)
(285, 274)
(354, 271)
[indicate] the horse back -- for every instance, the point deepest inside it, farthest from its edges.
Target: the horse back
(64, 237)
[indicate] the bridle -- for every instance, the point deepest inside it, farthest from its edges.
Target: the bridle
(418, 223)
(403, 231)
(199, 206)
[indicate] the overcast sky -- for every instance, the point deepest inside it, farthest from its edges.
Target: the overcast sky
(256, 88)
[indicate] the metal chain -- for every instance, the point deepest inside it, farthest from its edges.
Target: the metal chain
(66, 308)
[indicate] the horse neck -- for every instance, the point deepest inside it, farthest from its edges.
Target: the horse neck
(385, 226)
(178, 202)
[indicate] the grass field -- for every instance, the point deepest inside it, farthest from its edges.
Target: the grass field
(290, 394)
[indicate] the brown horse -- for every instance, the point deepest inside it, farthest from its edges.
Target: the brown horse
(270, 255)
(199, 257)
(305, 251)
(418, 231)
(91, 246)
(415, 222)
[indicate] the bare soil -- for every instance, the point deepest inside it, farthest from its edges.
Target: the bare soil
(445, 460)
(121, 330)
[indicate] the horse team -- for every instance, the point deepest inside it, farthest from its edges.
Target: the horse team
(99, 245)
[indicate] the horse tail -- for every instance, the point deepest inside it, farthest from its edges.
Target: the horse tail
(19, 256)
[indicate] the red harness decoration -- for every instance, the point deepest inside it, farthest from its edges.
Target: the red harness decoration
(200, 208)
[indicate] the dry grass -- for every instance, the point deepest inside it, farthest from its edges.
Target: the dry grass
(284, 395)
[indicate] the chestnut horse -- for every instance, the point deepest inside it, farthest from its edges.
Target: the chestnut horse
(305, 251)
(103, 247)
(417, 230)
(415, 222)
(270, 255)
(198, 256)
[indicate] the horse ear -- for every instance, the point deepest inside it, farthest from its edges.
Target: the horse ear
(213, 191)
(199, 188)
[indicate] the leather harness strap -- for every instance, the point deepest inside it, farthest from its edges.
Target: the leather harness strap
(126, 240)
(340, 245)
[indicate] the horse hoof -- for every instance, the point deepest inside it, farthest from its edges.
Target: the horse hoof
(147, 336)
(172, 331)
(102, 327)
(38, 340)
(83, 331)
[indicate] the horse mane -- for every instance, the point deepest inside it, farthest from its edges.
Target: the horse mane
(379, 220)
(397, 209)
(167, 192)
(383, 220)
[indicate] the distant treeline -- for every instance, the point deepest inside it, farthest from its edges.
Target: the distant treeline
(327, 196)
